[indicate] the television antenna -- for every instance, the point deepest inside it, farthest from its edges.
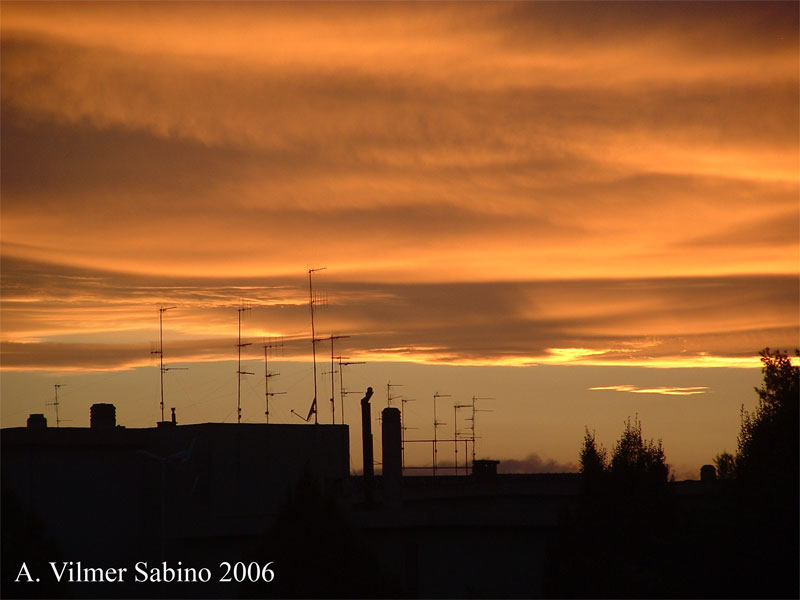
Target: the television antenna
(332, 372)
(311, 302)
(267, 394)
(455, 430)
(389, 397)
(403, 428)
(436, 424)
(55, 403)
(163, 369)
(342, 390)
(473, 419)
(239, 371)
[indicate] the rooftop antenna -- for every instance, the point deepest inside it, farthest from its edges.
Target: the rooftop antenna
(403, 428)
(389, 397)
(342, 390)
(455, 429)
(332, 373)
(55, 402)
(311, 302)
(436, 424)
(473, 419)
(267, 394)
(160, 352)
(239, 371)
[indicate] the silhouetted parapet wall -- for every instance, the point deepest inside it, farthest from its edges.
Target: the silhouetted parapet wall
(392, 457)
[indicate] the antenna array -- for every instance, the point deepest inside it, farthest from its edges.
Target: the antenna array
(163, 369)
(436, 424)
(332, 373)
(267, 394)
(55, 402)
(342, 390)
(239, 371)
(312, 301)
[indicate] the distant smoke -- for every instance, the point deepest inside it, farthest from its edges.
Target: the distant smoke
(533, 463)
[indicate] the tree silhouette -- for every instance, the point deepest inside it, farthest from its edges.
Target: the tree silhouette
(725, 464)
(768, 440)
(614, 547)
(765, 494)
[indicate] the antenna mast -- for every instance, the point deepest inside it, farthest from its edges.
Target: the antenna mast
(162, 369)
(342, 390)
(239, 371)
(473, 419)
(403, 428)
(436, 427)
(267, 375)
(55, 402)
(455, 430)
(332, 373)
(311, 303)
(389, 397)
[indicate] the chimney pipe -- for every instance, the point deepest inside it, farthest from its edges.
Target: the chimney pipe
(366, 439)
(392, 457)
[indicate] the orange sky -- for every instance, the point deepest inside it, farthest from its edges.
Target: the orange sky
(487, 183)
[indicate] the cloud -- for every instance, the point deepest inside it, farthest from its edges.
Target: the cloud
(533, 463)
(503, 183)
(709, 321)
(664, 391)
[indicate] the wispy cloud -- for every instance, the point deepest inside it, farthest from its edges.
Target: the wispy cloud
(111, 318)
(664, 391)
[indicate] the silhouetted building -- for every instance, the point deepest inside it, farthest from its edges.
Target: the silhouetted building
(206, 493)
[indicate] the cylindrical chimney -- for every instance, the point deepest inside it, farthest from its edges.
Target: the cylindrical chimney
(103, 416)
(37, 421)
(392, 457)
(366, 440)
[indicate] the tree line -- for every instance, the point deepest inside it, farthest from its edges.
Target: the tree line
(735, 536)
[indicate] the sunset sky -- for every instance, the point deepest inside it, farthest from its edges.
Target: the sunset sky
(585, 211)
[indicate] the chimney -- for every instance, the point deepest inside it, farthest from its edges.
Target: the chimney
(37, 421)
(392, 458)
(366, 439)
(103, 416)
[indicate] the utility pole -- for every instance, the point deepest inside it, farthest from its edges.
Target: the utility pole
(267, 375)
(436, 424)
(239, 371)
